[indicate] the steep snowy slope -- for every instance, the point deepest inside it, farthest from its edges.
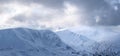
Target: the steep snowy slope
(84, 37)
(77, 41)
(28, 42)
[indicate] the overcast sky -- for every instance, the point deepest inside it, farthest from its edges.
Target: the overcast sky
(59, 13)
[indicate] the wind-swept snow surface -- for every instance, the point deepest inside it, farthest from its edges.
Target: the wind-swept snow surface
(77, 41)
(28, 42)
(103, 41)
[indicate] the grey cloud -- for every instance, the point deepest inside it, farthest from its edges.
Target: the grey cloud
(4, 1)
(31, 18)
(20, 18)
(101, 8)
(112, 18)
(30, 21)
(49, 3)
(1, 10)
(5, 10)
(90, 4)
(23, 18)
(92, 8)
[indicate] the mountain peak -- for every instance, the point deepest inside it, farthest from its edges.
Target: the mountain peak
(30, 42)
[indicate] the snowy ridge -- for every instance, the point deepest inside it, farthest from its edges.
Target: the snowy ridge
(28, 42)
(77, 41)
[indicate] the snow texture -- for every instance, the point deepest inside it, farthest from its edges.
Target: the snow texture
(28, 42)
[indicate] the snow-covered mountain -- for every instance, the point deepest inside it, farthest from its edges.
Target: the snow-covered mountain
(28, 42)
(77, 41)
(100, 40)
